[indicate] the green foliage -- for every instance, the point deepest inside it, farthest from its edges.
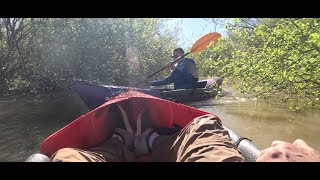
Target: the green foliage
(269, 58)
(45, 55)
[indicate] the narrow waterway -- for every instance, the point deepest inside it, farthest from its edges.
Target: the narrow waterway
(24, 125)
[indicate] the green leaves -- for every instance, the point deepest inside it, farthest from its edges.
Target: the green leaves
(277, 58)
(55, 50)
(315, 38)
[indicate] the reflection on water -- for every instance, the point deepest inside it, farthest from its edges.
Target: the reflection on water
(24, 125)
(263, 123)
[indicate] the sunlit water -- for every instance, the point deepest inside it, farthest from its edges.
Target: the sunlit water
(263, 123)
(24, 125)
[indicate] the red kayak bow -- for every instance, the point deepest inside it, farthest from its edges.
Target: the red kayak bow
(92, 128)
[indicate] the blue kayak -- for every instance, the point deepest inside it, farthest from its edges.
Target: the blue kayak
(95, 95)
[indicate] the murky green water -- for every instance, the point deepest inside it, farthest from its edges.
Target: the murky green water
(263, 123)
(24, 125)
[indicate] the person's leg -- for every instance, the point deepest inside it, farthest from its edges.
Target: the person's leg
(76, 155)
(117, 148)
(112, 150)
(203, 139)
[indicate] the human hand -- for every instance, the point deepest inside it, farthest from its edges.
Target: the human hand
(281, 151)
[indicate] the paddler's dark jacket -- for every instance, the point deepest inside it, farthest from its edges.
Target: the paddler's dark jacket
(184, 76)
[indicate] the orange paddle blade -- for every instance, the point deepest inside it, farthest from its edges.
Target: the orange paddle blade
(204, 41)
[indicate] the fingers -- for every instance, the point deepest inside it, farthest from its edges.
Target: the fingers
(264, 151)
(300, 143)
(271, 154)
(297, 142)
(262, 158)
(281, 151)
(276, 143)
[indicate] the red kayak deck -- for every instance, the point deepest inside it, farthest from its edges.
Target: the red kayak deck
(92, 128)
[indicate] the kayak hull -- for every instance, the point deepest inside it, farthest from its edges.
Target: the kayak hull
(95, 95)
(93, 128)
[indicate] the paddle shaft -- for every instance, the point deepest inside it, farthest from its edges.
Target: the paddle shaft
(173, 62)
(199, 45)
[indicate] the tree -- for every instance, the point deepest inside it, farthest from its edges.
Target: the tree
(271, 58)
(46, 55)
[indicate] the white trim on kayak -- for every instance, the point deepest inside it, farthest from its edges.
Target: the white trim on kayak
(125, 119)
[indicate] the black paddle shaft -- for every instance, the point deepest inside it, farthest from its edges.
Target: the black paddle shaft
(173, 62)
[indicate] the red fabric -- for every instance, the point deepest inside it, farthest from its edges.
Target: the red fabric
(92, 128)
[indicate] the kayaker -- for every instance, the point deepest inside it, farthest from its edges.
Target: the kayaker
(203, 140)
(183, 74)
